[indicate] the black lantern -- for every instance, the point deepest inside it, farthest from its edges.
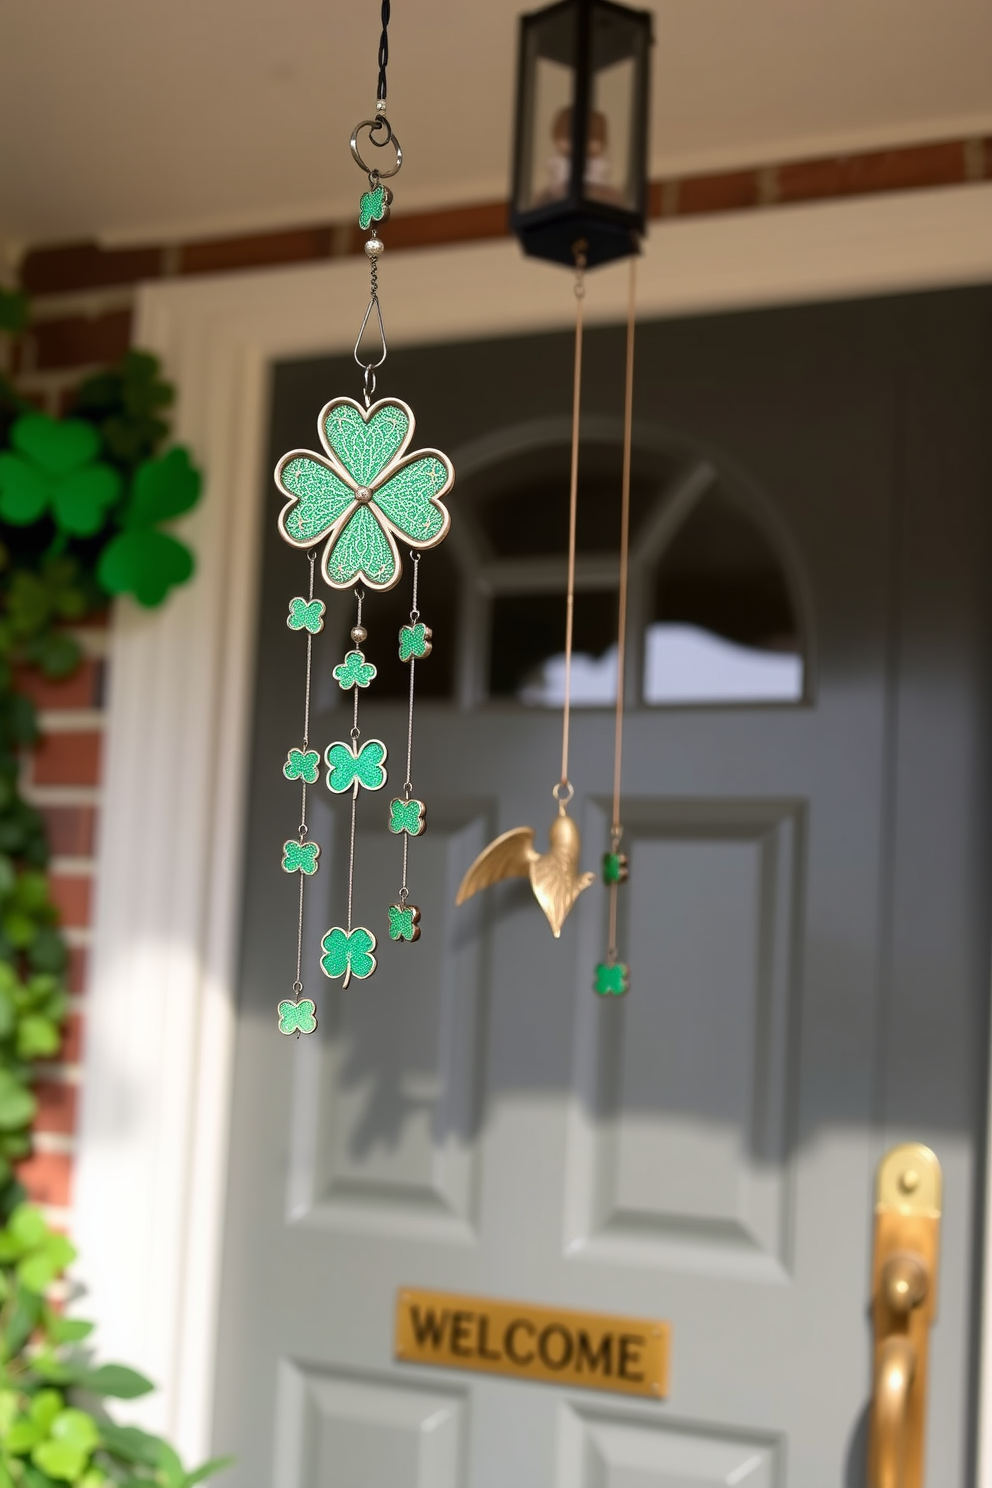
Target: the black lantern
(580, 156)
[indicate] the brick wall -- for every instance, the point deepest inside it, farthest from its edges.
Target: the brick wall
(82, 302)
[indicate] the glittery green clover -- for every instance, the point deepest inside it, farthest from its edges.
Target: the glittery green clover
(406, 816)
(373, 207)
(300, 857)
(348, 955)
(612, 979)
(349, 768)
(364, 492)
(302, 764)
(614, 868)
(354, 671)
(297, 1017)
(415, 640)
(404, 922)
(306, 614)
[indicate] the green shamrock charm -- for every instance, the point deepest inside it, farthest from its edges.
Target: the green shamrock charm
(300, 857)
(306, 614)
(404, 922)
(374, 206)
(354, 671)
(297, 1017)
(363, 492)
(415, 641)
(614, 868)
(406, 816)
(612, 979)
(53, 467)
(348, 954)
(302, 764)
(348, 768)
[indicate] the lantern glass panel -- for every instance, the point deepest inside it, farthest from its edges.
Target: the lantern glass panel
(546, 144)
(615, 165)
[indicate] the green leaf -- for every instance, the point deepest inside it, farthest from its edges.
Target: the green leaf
(68, 1330)
(162, 488)
(24, 1435)
(44, 1408)
(80, 503)
(17, 1105)
(27, 1226)
(58, 446)
(145, 564)
(37, 1037)
(57, 654)
(130, 1443)
(60, 1460)
(13, 310)
(39, 1270)
(24, 490)
(49, 952)
(115, 1380)
(76, 1428)
(20, 929)
(31, 892)
(207, 1470)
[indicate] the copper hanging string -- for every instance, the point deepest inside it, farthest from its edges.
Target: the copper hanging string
(616, 826)
(563, 790)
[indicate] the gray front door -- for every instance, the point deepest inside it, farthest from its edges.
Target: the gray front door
(806, 919)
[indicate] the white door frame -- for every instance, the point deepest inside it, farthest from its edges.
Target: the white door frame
(153, 1142)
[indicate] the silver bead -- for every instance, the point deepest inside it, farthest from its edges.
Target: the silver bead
(359, 634)
(373, 247)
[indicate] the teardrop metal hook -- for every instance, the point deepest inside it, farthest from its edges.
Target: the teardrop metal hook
(362, 361)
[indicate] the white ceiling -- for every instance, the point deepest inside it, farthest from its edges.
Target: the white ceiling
(140, 119)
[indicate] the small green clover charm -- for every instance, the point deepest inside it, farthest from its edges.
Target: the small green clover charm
(302, 764)
(354, 671)
(306, 614)
(297, 1017)
(374, 206)
(406, 816)
(300, 857)
(404, 922)
(415, 641)
(348, 954)
(348, 768)
(612, 979)
(614, 868)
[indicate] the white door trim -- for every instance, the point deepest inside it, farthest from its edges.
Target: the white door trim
(153, 1142)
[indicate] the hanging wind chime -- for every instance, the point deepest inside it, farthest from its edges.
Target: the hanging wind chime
(580, 198)
(364, 496)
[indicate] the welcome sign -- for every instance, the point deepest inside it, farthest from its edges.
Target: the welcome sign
(593, 1350)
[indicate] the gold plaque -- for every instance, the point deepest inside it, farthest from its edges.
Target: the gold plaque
(593, 1350)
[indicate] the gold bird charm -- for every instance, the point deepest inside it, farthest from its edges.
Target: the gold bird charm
(553, 875)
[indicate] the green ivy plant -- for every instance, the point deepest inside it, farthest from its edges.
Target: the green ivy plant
(83, 500)
(53, 1431)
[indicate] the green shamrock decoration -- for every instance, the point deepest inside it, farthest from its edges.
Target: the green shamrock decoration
(306, 614)
(373, 207)
(302, 765)
(141, 560)
(354, 671)
(297, 1017)
(348, 954)
(349, 768)
(415, 641)
(364, 492)
(53, 467)
(612, 979)
(300, 857)
(406, 816)
(614, 868)
(404, 922)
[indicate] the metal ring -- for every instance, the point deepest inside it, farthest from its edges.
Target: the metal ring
(297, 988)
(372, 125)
(559, 792)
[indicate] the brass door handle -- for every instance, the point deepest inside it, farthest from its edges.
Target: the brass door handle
(907, 1231)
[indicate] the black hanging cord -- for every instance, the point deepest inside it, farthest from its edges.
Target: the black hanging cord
(383, 52)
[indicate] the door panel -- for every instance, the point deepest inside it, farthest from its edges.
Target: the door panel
(806, 922)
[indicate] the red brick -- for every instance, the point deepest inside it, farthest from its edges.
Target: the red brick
(47, 1176)
(904, 169)
(77, 969)
(72, 1041)
(988, 158)
(724, 191)
(449, 225)
(219, 255)
(57, 1102)
(68, 759)
(72, 895)
(80, 690)
(72, 266)
(71, 830)
(75, 341)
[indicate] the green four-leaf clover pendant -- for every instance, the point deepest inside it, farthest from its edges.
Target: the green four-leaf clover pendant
(363, 492)
(348, 767)
(404, 922)
(415, 641)
(302, 764)
(374, 206)
(300, 857)
(306, 614)
(406, 816)
(612, 979)
(297, 1017)
(348, 953)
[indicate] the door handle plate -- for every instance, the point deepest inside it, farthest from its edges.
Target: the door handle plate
(908, 1201)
